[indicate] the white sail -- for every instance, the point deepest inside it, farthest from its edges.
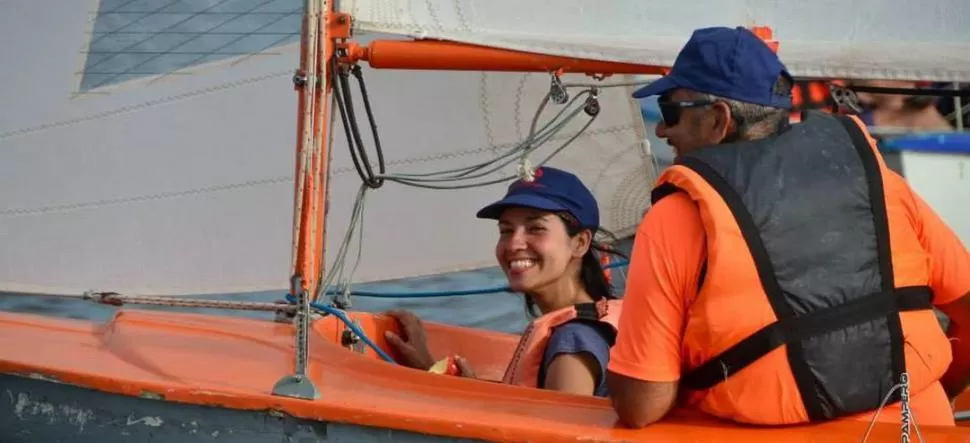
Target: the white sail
(120, 170)
(147, 146)
(156, 154)
(879, 39)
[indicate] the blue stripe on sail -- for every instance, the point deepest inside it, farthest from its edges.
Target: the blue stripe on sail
(134, 39)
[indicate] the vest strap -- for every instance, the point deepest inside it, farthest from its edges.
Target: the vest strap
(880, 218)
(587, 311)
(657, 194)
(662, 191)
(793, 330)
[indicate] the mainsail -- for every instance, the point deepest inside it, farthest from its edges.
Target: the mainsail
(138, 155)
(184, 184)
(180, 180)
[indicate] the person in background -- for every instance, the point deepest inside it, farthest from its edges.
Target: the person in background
(545, 247)
(783, 274)
(900, 112)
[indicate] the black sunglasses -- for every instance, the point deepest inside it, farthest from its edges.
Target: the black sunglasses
(670, 110)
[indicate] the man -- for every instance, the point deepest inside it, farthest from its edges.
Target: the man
(783, 274)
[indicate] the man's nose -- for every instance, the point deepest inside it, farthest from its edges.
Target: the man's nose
(661, 130)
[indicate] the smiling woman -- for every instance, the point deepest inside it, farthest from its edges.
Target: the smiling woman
(546, 249)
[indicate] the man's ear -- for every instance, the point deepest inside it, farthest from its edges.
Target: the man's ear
(723, 124)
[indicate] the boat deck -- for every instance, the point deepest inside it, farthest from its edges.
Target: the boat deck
(234, 362)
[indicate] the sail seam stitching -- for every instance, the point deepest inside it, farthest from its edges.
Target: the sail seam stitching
(141, 106)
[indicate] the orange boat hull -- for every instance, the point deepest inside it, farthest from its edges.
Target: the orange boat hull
(176, 363)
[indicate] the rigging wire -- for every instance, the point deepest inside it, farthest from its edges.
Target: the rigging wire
(456, 178)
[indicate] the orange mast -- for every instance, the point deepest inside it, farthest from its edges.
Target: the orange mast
(310, 186)
(313, 83)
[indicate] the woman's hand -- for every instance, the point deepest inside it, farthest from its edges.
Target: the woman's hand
(413, 347)
(464, 368)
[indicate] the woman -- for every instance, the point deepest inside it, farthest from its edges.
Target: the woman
(546, 249)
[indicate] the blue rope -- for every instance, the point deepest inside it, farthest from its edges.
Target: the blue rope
(350, 324)
(450, 293)
(422, 294)
(367, 341)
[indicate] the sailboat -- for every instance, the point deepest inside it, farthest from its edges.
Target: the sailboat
(132, 184)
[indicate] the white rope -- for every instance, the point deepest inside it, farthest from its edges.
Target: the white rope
(112, 298)
(337, 267)
(525, 171)
(86, 295)
(605, 85)
(325, 180)
(906, 414)
(317, 156)
(451, 179)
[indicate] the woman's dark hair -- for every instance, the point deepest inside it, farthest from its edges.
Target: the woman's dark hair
(591, 273)
(919, 102)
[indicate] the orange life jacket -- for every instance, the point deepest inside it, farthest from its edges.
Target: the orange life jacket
(523, 370)
(802, 285)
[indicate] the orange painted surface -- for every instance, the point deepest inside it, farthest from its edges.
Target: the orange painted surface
(962, 402)
(234, 362)
(766, 34)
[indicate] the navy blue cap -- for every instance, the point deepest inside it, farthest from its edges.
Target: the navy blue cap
(729, 63)
(552, 190)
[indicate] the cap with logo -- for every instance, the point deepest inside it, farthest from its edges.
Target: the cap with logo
(551, 190)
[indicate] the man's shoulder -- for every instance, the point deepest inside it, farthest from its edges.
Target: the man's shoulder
(674, 209)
